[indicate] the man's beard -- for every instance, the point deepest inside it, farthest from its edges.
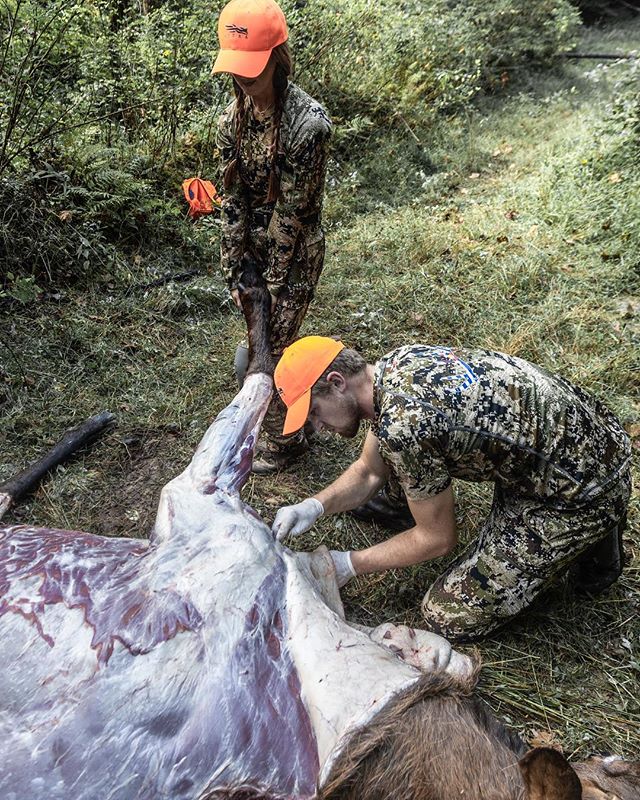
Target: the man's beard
(352, 426)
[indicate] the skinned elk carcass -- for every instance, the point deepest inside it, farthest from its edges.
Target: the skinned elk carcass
(211, 662)
(208, 661)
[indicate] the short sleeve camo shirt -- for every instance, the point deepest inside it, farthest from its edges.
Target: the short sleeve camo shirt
(486, 416)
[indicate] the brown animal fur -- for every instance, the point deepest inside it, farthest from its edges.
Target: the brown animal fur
(609, 779)
(548, 776)
(437, 741)
(256, 306)
(434, 742)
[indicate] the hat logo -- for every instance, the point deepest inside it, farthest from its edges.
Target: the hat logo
(238, 31)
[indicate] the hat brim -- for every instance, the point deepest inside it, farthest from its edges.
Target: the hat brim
(241, 62)
(297, 414)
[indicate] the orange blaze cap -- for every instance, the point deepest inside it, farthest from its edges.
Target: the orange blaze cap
(300, 366)
(248, 31)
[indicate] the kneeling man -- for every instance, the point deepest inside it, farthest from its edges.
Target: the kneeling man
(559, 461)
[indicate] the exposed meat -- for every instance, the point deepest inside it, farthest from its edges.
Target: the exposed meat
(208, 661)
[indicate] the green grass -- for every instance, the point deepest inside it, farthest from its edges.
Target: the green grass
(505, 228)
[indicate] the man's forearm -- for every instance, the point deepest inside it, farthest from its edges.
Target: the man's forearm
(354, 487)
(404, 549)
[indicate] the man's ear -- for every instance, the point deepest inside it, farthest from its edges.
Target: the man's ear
(548, 776)
(337, 380)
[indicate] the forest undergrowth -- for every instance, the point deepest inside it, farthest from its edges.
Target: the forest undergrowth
(514, 225)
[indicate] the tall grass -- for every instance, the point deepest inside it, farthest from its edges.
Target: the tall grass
(512, 225)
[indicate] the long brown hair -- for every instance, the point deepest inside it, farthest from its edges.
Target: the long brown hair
(284, 67)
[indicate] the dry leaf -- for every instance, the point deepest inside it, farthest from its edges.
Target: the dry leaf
(545, 739)
(273, 501)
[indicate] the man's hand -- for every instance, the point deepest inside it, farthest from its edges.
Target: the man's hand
(235, 296)
(297, 519)
(344, 568)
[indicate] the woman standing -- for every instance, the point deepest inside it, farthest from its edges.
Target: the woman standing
(273, 139)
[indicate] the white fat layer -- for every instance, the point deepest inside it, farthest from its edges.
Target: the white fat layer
(345, 676)
(348, 673)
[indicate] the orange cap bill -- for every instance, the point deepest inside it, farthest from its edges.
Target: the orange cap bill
(299, 367)
(297, 414)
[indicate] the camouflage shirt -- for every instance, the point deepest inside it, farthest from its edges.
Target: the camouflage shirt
(272, 230)
(486, 416)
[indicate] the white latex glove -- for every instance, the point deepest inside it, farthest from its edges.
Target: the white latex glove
(344, 568)
(294, 520)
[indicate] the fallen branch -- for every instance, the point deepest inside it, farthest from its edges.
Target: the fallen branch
(181, 277)
(21, 484)
(603, 56)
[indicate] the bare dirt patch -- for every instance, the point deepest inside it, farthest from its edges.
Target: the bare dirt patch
(148, 462)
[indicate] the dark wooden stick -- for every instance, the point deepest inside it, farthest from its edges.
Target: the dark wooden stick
(21, 484)
(180, 277)
(602, 56)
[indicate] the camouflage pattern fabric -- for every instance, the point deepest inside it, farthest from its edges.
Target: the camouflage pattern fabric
(560, 461)
(522, 548)
(286, 235)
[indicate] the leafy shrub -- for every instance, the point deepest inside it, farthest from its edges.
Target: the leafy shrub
(44, 50)
(89, 217)
(42, 237)
(106, 85)
(382, 58)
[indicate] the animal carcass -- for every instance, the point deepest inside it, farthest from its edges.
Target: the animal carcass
(208, 661)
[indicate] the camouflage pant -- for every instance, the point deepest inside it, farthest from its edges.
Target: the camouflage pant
(287, 317)
(522, 547)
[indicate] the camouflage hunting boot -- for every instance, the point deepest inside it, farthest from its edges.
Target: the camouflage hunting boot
(271, 458)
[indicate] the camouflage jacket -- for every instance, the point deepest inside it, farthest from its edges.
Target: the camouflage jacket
(271, 230)
(485, 416)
